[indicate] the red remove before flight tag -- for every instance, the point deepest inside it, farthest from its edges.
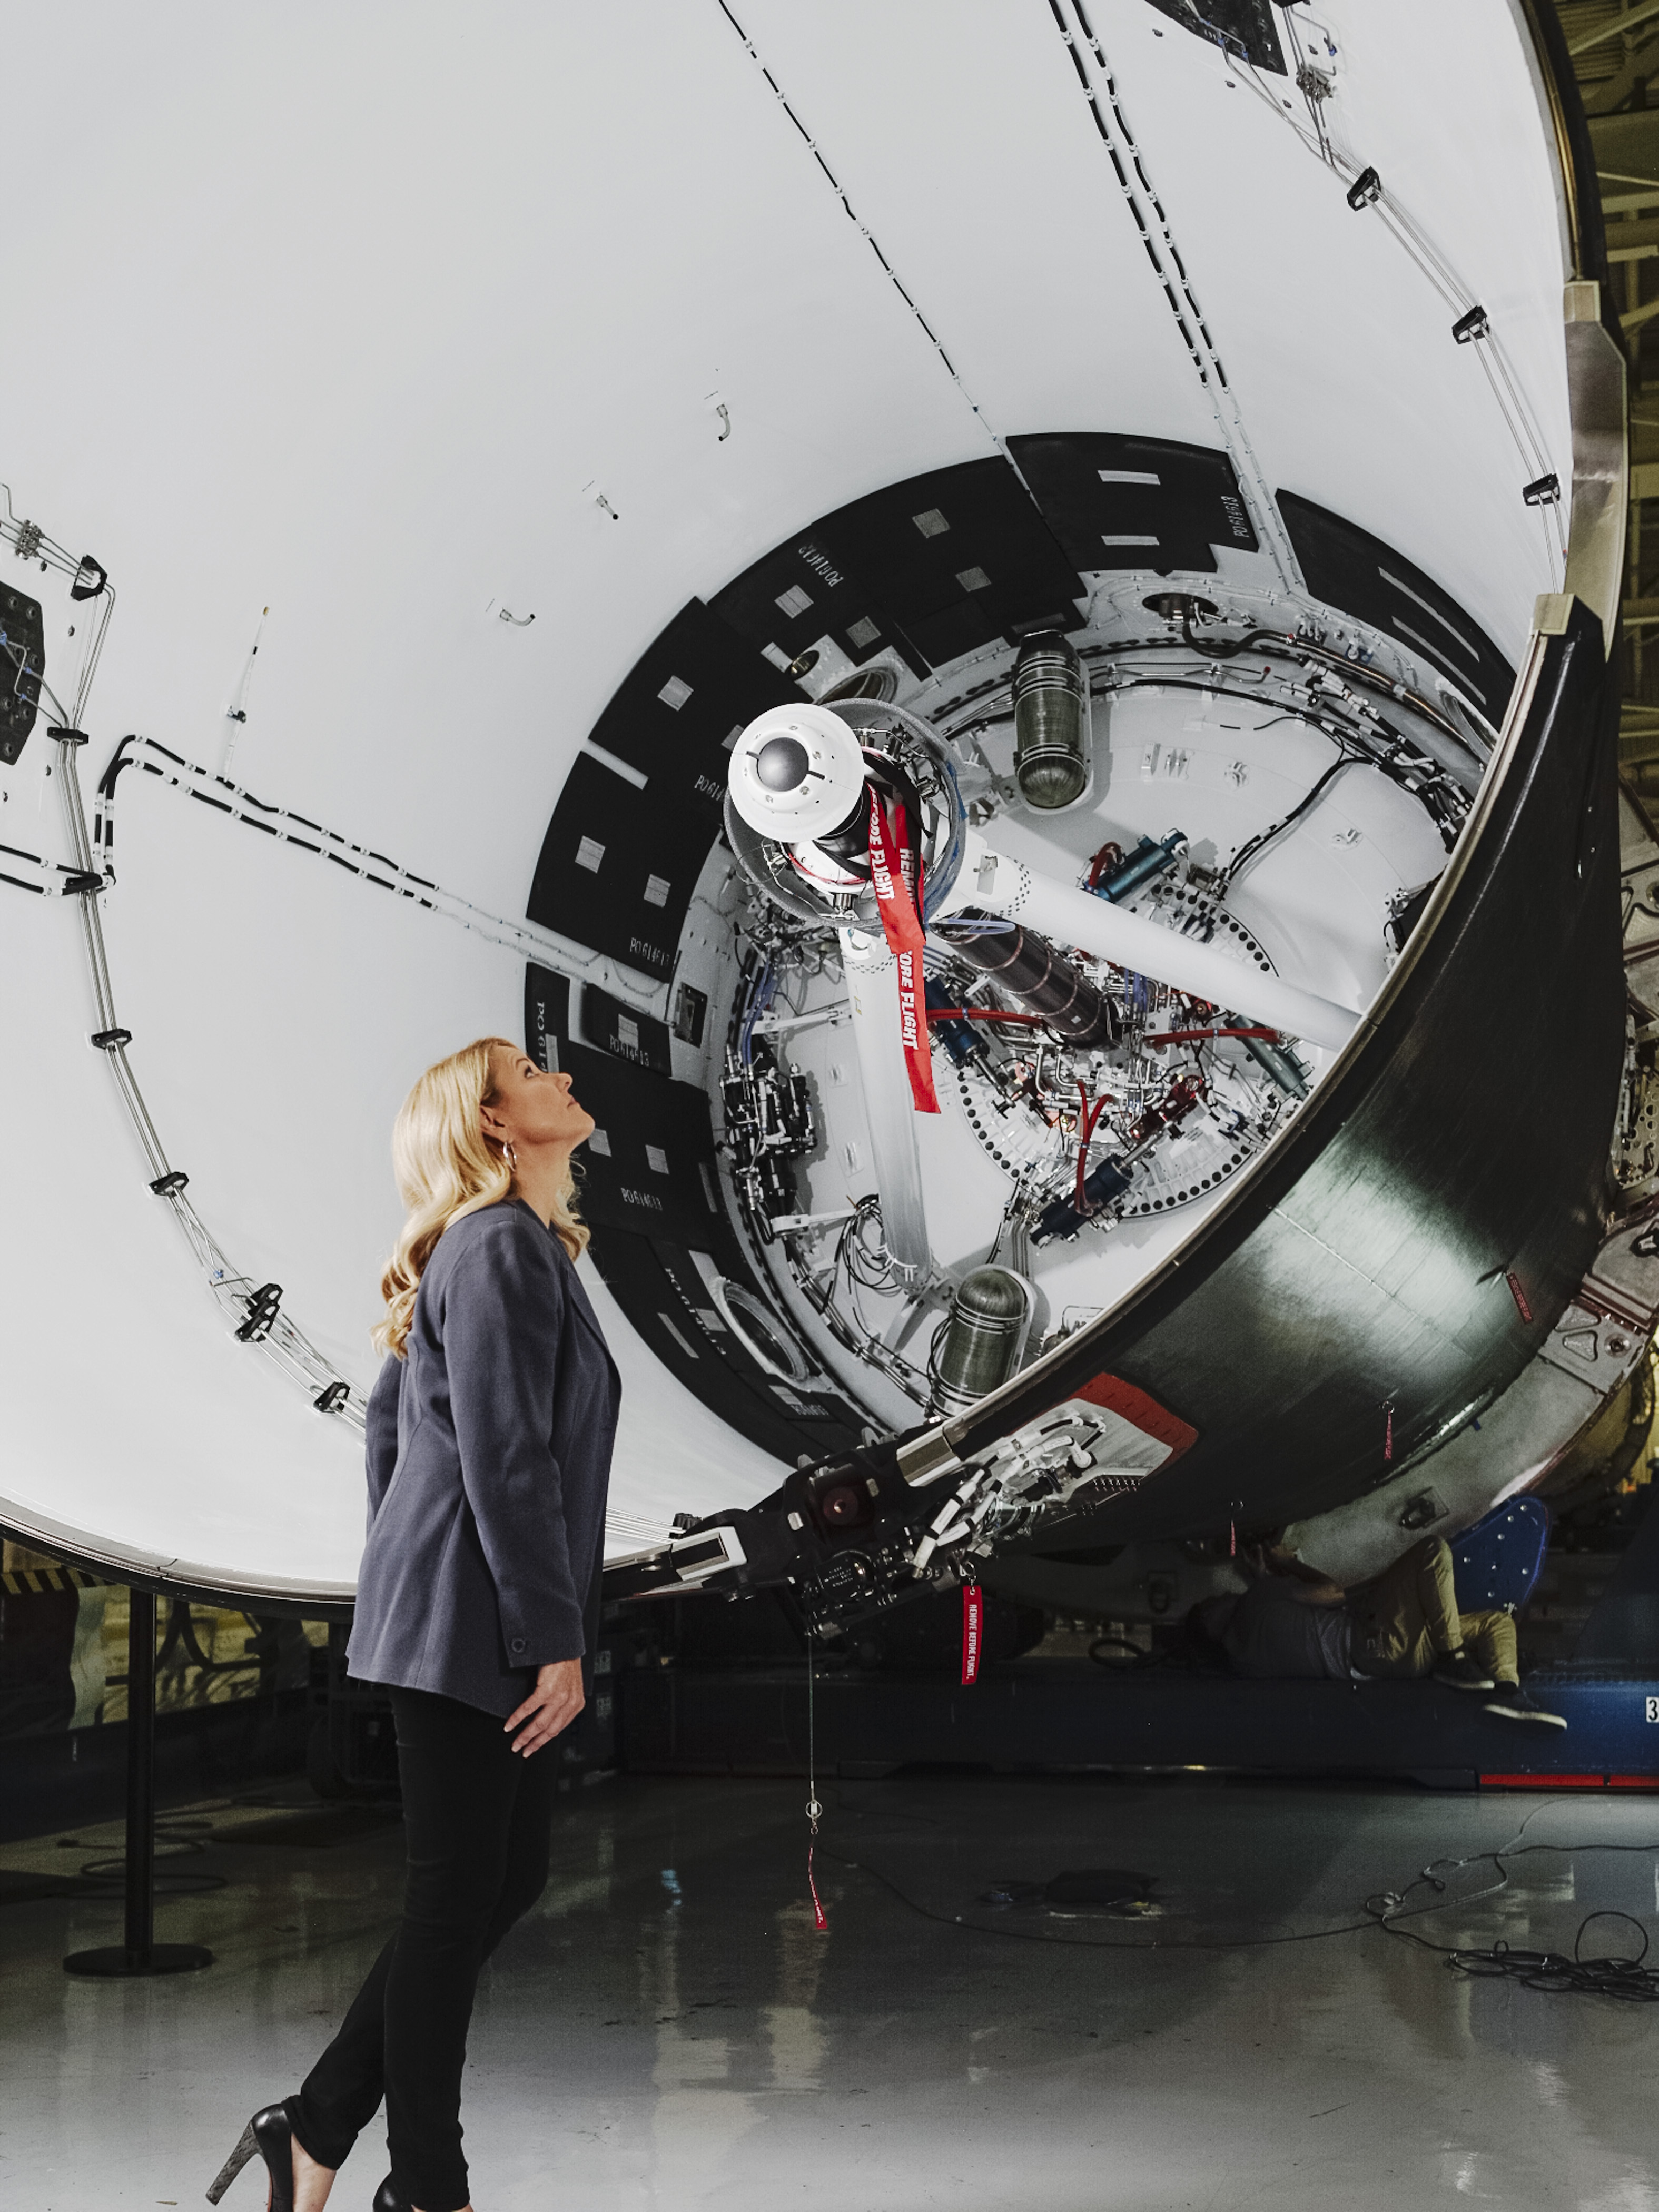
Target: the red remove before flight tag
(973, 1631)
(901, 925)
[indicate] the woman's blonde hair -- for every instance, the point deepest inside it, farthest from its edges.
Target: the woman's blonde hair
(447, 1167)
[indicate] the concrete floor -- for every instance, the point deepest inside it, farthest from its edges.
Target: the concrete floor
(668, 2030)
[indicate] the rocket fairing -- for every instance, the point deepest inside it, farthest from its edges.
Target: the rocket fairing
(1243, 782)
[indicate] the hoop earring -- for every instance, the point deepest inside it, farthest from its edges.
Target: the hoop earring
(511, 1158)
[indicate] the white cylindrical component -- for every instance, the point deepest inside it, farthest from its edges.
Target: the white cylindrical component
(796, 772)
(1073, 916)
(872, 994)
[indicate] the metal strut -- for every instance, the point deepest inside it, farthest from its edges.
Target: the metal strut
(257, 1314)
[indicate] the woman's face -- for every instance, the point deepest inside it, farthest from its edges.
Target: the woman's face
(532, 1108)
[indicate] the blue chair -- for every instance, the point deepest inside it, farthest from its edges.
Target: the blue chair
(1496, 1564)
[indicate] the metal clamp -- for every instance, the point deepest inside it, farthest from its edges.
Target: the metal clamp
(263, 1307)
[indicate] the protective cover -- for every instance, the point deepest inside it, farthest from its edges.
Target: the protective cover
(1496, 1562)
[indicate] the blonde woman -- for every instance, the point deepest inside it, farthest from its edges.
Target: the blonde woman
(489, 1438)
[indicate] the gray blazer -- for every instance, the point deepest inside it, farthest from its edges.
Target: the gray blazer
(488, 1461)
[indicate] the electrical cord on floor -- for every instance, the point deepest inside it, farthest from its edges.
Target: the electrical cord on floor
(174, 1839)
(1087, 1942)
(1550, 1971)
(1615, 1977)
(179, 1835)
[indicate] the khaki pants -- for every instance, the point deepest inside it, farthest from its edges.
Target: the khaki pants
(1407, 1619)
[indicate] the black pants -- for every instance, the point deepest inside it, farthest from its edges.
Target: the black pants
(477, 1819)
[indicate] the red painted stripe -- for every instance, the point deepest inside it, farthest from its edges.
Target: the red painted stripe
(1543, 1781)
(1143, 1412)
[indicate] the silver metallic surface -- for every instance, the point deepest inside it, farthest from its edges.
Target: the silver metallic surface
(1051, 722)
(979, 1343)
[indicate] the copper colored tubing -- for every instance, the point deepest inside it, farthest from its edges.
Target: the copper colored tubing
(1191, 1037)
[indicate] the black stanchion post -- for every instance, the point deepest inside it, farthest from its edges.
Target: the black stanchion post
(139, 1953)
(140, 1871)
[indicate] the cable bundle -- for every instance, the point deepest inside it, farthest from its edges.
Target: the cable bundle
(1556, 1975)
(1549, 1972)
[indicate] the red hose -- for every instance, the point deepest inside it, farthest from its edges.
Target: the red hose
(1191, 1037)
(1086, 1130)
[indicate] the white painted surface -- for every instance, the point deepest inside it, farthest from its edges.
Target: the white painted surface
(349, 313)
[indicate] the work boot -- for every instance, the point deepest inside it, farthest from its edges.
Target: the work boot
(1459, 1672)
(1512, 1704)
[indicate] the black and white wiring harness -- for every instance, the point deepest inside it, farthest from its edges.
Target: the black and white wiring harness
(285, 826)
(860, 1255)
(1470, 324)
(1145, 208)
(1252, 847)
(255, 1309)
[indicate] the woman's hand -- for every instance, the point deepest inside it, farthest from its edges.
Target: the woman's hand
(550, 1707)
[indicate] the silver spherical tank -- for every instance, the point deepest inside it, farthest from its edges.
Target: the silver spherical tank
(1051, 721)
(977, 1348)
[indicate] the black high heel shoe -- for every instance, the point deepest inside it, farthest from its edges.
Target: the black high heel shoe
(388, 2198)
(270, 2133)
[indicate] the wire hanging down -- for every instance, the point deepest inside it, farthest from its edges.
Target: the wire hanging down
(814, 1810)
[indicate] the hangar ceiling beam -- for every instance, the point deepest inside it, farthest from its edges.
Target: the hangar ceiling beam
(1616, 29)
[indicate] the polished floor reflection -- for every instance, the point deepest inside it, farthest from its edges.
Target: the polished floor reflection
(669, 2030)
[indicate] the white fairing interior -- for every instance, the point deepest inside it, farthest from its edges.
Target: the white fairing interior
(391, 320)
